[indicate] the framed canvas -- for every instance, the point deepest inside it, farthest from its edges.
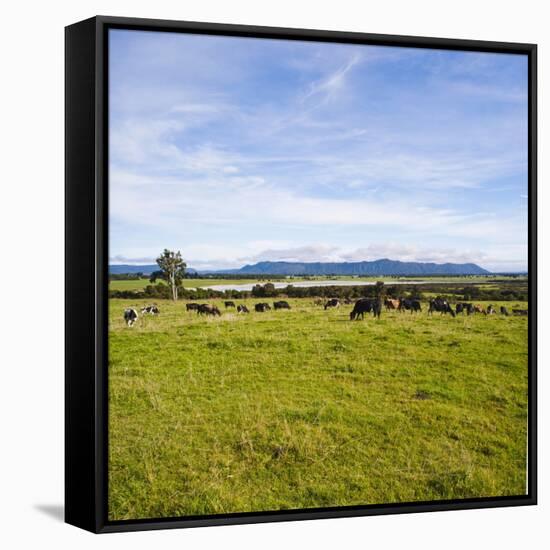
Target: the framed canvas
(300, 274)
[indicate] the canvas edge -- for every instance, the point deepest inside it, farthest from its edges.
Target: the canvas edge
(80, 271)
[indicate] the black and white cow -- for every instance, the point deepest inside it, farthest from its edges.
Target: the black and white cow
(332, 302)
(151, 310)
(441, 305)
(130, 316)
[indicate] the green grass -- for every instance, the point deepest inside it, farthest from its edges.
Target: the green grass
(303, 408)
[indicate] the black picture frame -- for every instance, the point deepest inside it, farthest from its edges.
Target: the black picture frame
(86, 262)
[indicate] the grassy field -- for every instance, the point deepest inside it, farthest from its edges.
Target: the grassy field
(303, 408)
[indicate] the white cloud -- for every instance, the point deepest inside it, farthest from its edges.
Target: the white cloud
(308, 253)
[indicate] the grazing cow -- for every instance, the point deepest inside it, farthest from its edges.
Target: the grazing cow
(130, 316)
(192, 306)
(207, 309)
(441, 305)
(504, 311)
(365, 305)
(229, 304)
(464, 307)
(333, 302)
(520, 311)
(281, 304)
(490, 310)
(262, 307)
(479, 309)
(151, 310)
(242, 309)
(411, 305)
(392, 304)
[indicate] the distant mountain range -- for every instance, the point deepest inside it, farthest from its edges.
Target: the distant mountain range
(375, 268)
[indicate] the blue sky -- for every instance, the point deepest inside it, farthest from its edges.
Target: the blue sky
(238, 150)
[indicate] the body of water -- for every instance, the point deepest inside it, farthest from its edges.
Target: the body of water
(302, 284)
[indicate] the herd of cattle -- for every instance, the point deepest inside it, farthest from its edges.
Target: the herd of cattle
(360, 307)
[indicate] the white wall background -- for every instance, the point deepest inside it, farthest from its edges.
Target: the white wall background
(31, 297)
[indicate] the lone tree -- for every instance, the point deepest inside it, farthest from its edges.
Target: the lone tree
(172, 270)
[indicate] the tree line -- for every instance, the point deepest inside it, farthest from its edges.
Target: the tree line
(268, 290)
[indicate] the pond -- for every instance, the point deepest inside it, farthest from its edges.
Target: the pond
(302, 284)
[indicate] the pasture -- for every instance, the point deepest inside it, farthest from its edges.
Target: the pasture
(304, 408)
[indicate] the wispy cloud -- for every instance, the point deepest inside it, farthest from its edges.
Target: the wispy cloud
(332, 84)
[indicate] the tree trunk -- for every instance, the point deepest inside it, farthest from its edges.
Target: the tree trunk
(173, 285)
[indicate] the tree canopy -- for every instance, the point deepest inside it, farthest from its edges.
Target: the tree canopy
(172, 270)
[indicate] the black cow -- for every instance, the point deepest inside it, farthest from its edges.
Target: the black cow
(333, 302)
(151, 310)
(365, 305)
(242, 309)
(464, 307)
(262, 307)
(504, 311)
(408, 304)
(192, 306)
(229, 304)
(520, 311)
(130, 316)
(207, 309)
(281, 304)
(490, 309)
(441, 305)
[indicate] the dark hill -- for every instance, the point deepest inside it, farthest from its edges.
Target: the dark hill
(377, 267)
